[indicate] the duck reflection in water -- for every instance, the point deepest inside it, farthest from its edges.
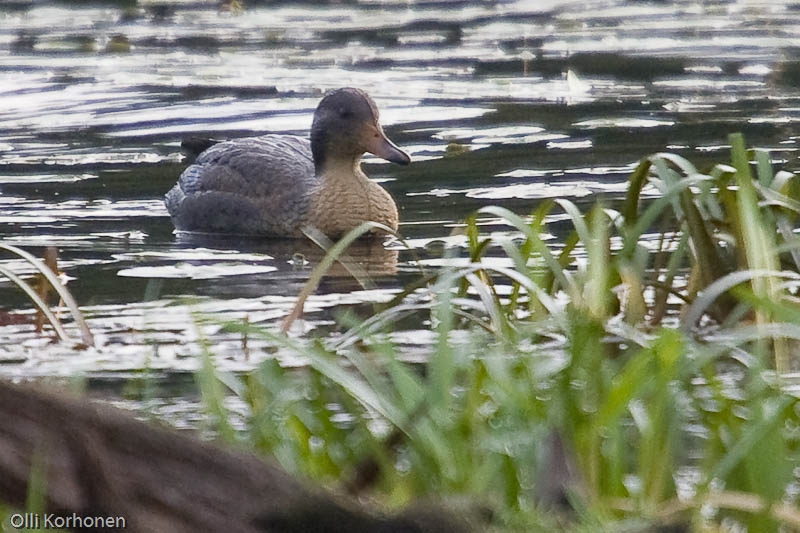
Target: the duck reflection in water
(293, 255)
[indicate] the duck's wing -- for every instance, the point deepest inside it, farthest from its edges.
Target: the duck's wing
(253, 185)
(254, 167)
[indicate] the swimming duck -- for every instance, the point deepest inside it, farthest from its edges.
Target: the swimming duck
(276, 185)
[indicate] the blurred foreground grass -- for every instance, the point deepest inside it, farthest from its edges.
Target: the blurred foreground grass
(620, 383)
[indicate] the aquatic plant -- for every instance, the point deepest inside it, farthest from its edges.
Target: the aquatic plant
(621, 382)
(47, 276)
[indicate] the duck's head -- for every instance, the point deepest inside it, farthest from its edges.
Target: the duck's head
(345, 126)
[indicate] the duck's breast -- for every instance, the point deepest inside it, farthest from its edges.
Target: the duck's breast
(346, 200)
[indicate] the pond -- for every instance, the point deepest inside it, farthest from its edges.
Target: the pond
(505, 103)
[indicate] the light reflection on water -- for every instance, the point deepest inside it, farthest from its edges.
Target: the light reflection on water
(497, 104)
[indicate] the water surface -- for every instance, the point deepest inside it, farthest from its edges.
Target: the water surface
(507, 103)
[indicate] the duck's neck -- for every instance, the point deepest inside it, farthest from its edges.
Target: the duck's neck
(342, 173)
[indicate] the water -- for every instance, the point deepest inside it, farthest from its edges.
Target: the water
(508, 103)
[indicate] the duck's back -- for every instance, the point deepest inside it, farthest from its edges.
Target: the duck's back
(256, 185)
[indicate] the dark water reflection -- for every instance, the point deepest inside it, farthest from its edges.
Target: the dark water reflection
(540, 100)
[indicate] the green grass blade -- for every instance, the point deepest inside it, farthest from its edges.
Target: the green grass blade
(637, 181)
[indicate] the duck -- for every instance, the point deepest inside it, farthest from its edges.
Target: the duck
(280, 185)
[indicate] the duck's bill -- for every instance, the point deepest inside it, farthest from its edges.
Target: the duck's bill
(380, 145)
